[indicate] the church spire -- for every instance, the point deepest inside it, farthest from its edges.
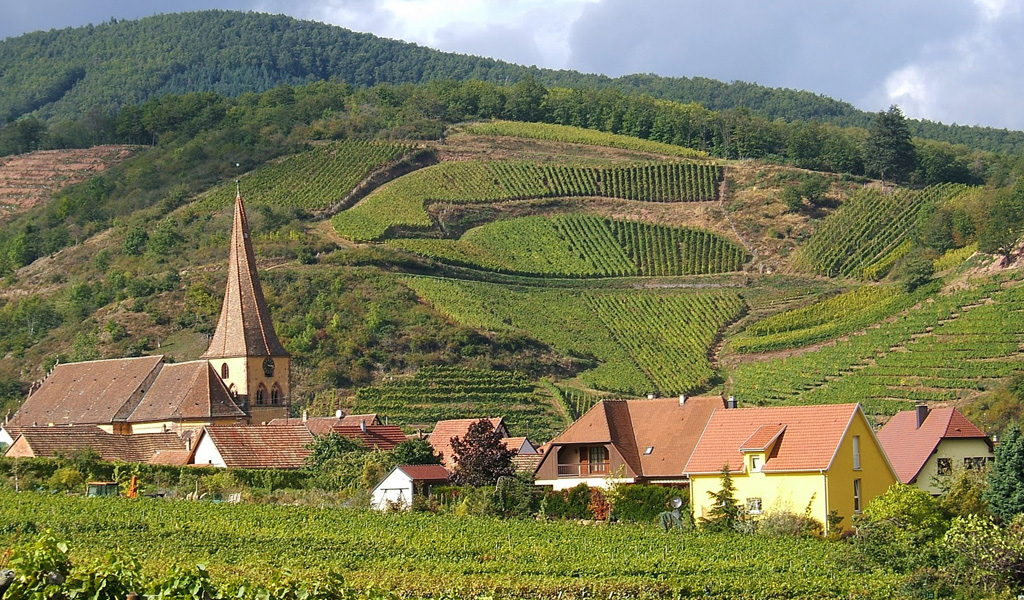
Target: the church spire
(244, 328)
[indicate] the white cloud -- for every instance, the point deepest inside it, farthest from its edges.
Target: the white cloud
(526, 31)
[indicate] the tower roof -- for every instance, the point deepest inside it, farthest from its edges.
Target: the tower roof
(244, 328)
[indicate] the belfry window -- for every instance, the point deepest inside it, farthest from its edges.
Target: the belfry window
(224, 371)
(261, 395)
(275, 394)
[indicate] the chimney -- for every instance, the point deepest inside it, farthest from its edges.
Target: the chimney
(305, 416)
(682, 399)
(731, 402)
(362, 426)
(338, 414)
(922, 413)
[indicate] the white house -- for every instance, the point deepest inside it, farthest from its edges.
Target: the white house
(398, 487)
(6, 439)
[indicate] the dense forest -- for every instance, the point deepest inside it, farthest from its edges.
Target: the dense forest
(85, 74)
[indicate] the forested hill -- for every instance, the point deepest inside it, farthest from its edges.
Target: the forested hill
(66, 73)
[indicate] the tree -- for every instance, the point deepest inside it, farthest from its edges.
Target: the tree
(889, 151)
(1005, 494)
(1000, 232)
(725, 513)
(416, 452)
(327, 448)
(915, 270)
(481, 457)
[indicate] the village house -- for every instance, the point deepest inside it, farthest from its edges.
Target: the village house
(440, 439)
(280, 446)
(399, 486)
(48, 442)
(628, 441)
(818, 460)
(243, 377)
(926, 445)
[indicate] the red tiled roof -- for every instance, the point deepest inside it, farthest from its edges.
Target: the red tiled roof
(425, 472)
(244, 327)
(323, 425)
(762, 438)
(909, 446)
(260, 446)
(184, 391)
(527, 463)
(670, 431)
(807, 437)
(515, 443)
(49, 442)
(377, 437)
(91, 392)
(440, 438)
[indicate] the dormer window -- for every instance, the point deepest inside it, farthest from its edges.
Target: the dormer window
(649, 450)
(755, 464)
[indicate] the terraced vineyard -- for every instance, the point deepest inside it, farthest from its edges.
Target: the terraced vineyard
(639, 342)
(579, 135)
(867, 229)
(402, 203)
(314, 179)
(947, 347)
(584, 246)
(436, 393)
(823, 320)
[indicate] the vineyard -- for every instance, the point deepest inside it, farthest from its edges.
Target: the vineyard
(421, 555)
(948, 347)
(868, 232)
(579, 135)
(636, 342)
(436, 393)
(314, 179)
(402, 203)
(584, 246)
(822, 320)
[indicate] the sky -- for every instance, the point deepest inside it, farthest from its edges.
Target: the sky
(952, 61)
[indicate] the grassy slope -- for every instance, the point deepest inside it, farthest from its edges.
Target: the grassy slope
(349, 322)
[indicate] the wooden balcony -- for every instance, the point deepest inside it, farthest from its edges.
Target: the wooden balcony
(582, 469)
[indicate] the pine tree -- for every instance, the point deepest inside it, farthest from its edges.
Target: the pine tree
(1005, 494)
(889, 151)
(725, 513)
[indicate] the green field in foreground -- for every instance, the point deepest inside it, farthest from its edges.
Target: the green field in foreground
(420, 555)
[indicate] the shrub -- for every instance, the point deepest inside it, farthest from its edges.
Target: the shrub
(642, 503)
(66, 479)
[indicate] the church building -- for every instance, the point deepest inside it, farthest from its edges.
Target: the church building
(244, 376)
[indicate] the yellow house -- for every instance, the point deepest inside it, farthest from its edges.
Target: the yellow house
(797, 459)
(925, 445)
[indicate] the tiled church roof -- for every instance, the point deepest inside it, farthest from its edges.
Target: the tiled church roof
(244, 328)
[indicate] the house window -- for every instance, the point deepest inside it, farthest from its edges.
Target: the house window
(856, 453)
(753, 506)
(975, 463)
(856, 495)
(261, 395)
(224, 371)
(595, 459)
(944, 465)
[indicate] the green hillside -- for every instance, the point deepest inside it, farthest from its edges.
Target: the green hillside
(524, 269)
(87, 71)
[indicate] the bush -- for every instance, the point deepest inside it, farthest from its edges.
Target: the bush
(789, 523)
(66, 479)
(643, 503)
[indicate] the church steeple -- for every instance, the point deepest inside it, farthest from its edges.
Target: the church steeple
(245, 351)
(244, 328)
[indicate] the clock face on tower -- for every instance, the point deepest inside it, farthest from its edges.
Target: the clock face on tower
(268, 367)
